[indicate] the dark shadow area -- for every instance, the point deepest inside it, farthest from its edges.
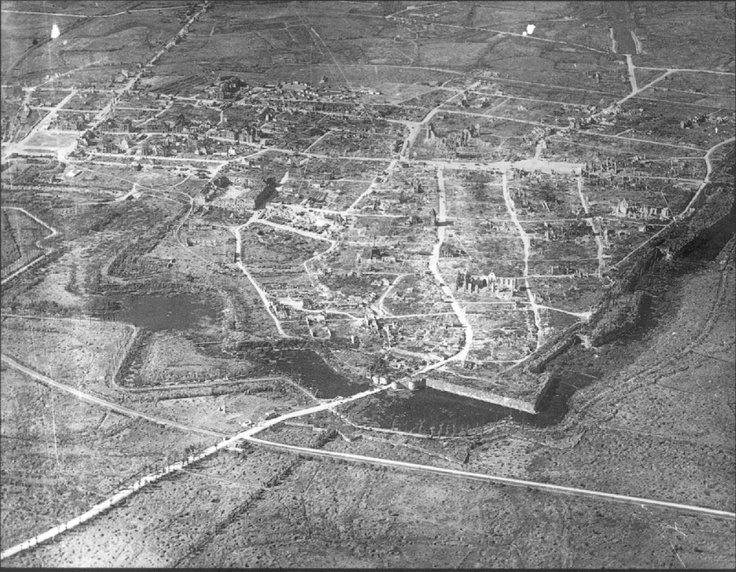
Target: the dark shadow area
(157, 313)
(308, 369)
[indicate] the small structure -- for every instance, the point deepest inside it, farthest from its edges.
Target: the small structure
(415, 384)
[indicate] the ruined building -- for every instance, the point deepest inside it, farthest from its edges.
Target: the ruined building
(502, 287)
(632, 210)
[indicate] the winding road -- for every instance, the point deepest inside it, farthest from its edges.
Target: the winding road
(690, 205)
(511, 208)
(250, 434)
(446, 291)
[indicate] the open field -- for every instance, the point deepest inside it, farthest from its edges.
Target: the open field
(80, 352)
(21, 236)
(60, 455)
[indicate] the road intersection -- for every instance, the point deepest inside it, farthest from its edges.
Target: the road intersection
(414, 129)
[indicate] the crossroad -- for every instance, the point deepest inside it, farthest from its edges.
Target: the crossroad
(150, 479)
(261, 293)
(249, 435)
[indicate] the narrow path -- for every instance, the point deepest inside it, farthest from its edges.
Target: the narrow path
(583, 315)
(261, 292)
(369, 190)
(36, 13)
(105, 112)
(690, 205)
(35, 261)
(598, 240)
(415, 127)
(527, 37)
(635, 90)
(614, 43)
(380, 304)
(434, 267)
(632, 74)
(317, 141)
(492, 479)
(305, 233)
(686, 70)
(87, 16)
(226, 443)
(637, 42)
(97, 401)
(510, 207)
(332, 247)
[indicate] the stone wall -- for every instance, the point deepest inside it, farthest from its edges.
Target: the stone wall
(476, 391)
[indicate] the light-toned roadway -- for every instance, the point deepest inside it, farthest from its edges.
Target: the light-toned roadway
(261, 292)
(97, 401)
(305, 233)
(526, 242)
(249, 435)
(39, 258)
(493, 479)
(121, 495)
(598, 239)
(446, 291)
(706, 181)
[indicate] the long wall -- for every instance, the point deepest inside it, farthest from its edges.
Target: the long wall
(489, 396)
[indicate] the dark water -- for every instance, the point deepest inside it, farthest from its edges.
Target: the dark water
(158, 312)
(622, 25)
(428, 408)
(310, 370)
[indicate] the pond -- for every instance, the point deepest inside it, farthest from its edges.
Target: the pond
(159, 312)
(308, 369)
